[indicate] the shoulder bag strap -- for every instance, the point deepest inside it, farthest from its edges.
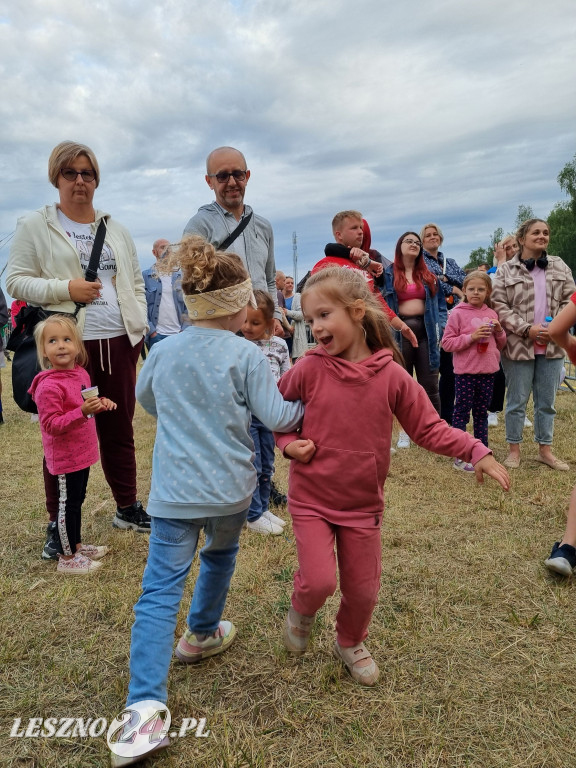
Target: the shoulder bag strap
(233, 235)
(92, 269)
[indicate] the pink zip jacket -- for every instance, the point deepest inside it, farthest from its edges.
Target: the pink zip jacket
(348, 413)
(463, 321)
(68, 437)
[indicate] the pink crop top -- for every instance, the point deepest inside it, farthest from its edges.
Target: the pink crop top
(412, 291)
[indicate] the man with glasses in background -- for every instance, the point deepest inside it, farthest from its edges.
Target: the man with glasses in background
(230, 225)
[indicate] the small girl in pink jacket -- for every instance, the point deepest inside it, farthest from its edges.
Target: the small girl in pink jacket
(68, 432)
(475, 337)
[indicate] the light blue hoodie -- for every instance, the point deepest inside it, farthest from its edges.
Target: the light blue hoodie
(202, 385)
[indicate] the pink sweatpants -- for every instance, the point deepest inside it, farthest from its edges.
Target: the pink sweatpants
(358, 554)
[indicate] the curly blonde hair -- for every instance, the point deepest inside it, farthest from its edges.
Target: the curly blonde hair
(346, 287)
(203, 267)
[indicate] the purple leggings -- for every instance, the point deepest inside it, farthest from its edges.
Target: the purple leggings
(473, 393)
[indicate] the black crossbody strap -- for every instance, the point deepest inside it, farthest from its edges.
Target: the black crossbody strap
(233, 235)
(92, 269)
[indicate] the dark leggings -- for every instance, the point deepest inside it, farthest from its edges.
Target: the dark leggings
(473, 392)
(70, 491)
(417, 359)
(497, 402)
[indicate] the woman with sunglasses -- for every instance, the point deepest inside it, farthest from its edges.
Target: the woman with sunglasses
(48, 259)
(414, 293)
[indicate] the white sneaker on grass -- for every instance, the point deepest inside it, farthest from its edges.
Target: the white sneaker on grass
(403, 440)
(492, 419)
(463, 465)
(273, 518)
(264, 526)
(527, 422)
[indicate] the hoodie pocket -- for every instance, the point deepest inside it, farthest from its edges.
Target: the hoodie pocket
(337, 479)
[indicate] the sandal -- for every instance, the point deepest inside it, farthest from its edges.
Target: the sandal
(365, 675)
(296, 634)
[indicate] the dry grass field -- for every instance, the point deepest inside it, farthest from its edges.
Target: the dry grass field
(475, 640)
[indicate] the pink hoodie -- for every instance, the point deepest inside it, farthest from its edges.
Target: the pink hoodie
(463, 321)
(349, 409)
(68, 437)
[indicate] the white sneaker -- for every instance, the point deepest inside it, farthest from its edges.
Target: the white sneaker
(463, 465)
(492, 419)
(527, 422)
(264, 526)
(403, 440)
(273, 518)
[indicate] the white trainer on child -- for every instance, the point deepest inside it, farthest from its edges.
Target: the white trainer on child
(492, 419)
(403, 440)
(274, 518)
(264, 526)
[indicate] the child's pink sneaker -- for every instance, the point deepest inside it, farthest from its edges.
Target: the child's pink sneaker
(77, 564)
(92, 551)
(190, 649)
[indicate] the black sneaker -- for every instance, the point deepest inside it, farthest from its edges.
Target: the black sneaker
(562, 559)
(133, 517)
(52, 547)
(277, 498)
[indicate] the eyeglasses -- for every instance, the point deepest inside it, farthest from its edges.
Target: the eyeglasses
(409, 241)
(71, 175)
(223, 176)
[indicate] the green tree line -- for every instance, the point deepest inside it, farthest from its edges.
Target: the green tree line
(561, 219)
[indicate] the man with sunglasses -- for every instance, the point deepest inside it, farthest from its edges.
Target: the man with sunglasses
(227, 176)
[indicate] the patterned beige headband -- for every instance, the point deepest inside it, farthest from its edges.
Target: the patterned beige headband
(224, 301)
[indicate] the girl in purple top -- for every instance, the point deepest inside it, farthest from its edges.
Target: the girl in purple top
(68, 433)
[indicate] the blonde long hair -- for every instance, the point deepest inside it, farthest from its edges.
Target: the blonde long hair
(203, 267)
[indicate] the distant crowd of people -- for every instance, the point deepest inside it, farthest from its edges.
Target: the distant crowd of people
(229, 376)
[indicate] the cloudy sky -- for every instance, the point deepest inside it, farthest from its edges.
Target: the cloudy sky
(455, 111)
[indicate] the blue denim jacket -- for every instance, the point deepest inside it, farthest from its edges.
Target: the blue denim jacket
(435, 315)
(153, 286)
(454, 273)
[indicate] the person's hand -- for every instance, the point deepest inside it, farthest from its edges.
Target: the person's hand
(375, 268)
(409, 335)
(499, 254)
(571, 349)
(300, 450)
(489, 466)
(357, 254)
(539, 335)
(457, 292)
(83, 292)
(152, 335)
(482, 332)
(278, 329)
(496, 327)
(92, 406)
(109, 405)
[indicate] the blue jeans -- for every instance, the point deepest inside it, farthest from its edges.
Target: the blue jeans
(540, 376)
(172, 547)
(155, 339)
(264, 465)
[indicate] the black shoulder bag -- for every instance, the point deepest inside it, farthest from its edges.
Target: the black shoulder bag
(25, 364)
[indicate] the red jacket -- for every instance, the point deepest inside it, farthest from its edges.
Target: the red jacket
(348, 413)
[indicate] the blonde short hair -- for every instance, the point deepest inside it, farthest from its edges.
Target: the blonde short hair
(65, 153)
(436, 227)
(339, 218)
(69, 323)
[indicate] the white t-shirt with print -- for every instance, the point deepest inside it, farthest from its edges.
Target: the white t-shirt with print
(103, 316)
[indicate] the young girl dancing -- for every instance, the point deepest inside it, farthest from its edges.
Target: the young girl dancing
(258, 328)
(352, 386)
(68, 433)
(201, 385)
(475, 337)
